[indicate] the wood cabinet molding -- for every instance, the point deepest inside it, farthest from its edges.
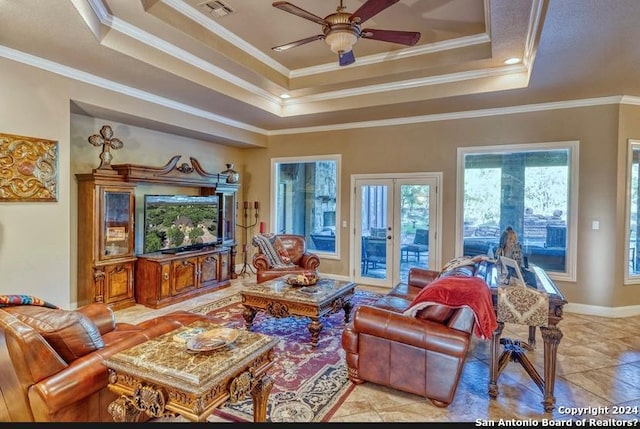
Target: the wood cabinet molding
(172, 172)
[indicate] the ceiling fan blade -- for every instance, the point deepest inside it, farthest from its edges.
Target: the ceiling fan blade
(346, 58)
(298, 43)
(369, 9)
(288, 7)
(409, 38)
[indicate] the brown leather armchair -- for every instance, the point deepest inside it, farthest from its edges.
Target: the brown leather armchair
(422, 354)
(52, 360)
(296, 247)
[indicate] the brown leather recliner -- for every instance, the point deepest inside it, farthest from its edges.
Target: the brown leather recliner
(422, 354)
(296, 247)
(52, 359)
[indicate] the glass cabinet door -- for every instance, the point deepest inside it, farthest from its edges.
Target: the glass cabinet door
(228, 217)
(117, 225)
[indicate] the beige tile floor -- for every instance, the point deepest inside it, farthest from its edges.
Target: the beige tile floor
(598, 366)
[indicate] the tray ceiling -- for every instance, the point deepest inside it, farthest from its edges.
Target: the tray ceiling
(185, 52)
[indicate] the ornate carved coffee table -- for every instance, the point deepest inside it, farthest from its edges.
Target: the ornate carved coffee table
(279, 299)
(160, 377)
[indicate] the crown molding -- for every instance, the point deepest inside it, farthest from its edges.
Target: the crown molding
(88, 78)
(191, 13)
(630, 99)
(155, 42)
(407, 84)
(396, 55)
(129, 91)
(527, 108)
(538, 9)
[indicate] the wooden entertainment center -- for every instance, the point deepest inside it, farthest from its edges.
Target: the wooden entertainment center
(166, 279)
(109, 271)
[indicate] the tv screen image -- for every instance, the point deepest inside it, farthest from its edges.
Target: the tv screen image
(180, 222)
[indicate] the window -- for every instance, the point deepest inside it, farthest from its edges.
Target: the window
(533, 189)
(306, 200)
(633, 238)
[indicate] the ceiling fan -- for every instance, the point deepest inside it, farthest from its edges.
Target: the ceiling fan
(341, 30)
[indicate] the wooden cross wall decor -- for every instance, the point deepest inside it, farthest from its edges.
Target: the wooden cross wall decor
(106, 140)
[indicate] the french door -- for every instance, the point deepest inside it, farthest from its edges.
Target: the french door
(396, 219)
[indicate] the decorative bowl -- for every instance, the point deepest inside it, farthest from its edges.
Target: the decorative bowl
(212, 339)
(303, 279)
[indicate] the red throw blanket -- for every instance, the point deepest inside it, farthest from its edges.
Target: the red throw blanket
(456, 292)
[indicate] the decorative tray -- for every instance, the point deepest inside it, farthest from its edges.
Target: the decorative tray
(212, 339)
(304, 279)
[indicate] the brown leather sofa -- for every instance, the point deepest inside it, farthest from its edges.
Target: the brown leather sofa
(52, 359)
(423, 355)
(296, 247)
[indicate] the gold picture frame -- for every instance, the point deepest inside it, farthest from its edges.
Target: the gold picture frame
(28, 169)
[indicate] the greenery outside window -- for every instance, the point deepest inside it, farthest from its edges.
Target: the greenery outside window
(306, 200)
(533, 189)
(632, 271)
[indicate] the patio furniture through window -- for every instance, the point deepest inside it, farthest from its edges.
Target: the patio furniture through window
(374, 252)
(420, 245)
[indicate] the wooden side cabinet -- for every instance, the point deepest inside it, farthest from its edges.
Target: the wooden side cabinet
(113, 283)
(184, 275)
(106, 259)
(163, 279)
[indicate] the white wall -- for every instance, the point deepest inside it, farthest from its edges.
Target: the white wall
(34, 236)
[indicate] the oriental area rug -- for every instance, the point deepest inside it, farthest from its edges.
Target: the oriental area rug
(309, 383)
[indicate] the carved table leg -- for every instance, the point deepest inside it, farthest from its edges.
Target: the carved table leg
(249, 314)
(123, 410)
(531, 341)
(347, 310)
(315, 327)
(260, 397)
(551, 336)
(493, 361)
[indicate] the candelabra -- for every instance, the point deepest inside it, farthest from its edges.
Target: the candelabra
(246, 226)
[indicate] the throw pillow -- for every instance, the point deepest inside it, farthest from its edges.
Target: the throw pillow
(11, 300)
(282, 251)
(265, 242)
(70, 333)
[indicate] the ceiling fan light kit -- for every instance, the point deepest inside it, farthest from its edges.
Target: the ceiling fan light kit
(341, 41)
(341, 30)
(339, 33)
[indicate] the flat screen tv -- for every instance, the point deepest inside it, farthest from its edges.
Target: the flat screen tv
(174, 223)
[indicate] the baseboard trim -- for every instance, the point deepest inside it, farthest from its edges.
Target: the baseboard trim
(596, 310)
(335, 277)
